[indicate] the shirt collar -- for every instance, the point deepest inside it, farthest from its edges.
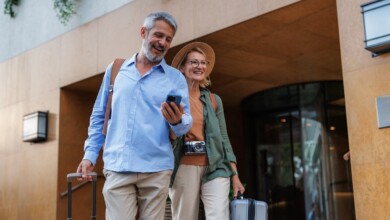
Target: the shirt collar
(162, 66)
(204, 91)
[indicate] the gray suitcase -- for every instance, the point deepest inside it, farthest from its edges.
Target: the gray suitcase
(248, 209)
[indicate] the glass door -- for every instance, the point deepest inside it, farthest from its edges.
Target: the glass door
(280, 166)
(297, 137)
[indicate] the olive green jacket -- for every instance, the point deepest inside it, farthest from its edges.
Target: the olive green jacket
(218, 147)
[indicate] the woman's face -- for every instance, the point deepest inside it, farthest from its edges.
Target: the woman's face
(195, 67)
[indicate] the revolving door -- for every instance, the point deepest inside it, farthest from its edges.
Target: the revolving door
(298, 135)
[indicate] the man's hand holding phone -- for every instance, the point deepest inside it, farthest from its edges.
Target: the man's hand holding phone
(172, 110)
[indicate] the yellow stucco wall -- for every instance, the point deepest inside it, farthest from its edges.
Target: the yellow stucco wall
(32, 81)
(365, 78)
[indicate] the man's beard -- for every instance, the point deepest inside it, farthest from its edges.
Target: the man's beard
(146, 50)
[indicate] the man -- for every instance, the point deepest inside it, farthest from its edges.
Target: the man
(138, 159)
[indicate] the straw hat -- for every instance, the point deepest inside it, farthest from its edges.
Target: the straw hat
(207, 49)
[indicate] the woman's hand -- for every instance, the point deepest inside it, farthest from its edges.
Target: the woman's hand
(237, 185)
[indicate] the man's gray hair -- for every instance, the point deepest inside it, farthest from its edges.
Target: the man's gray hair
(158, 16)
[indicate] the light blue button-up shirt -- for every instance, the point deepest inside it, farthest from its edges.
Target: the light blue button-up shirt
(137, 137)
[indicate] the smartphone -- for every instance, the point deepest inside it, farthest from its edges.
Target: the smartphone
(174, 98)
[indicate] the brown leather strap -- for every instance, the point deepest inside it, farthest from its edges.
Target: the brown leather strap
(114, 72)
(212, 97)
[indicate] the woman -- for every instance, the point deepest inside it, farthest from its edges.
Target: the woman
(204, 160)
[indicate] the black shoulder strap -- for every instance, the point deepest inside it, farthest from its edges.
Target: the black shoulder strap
(114, 72)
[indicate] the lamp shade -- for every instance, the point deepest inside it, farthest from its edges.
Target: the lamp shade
(376, 21)
(35, 126)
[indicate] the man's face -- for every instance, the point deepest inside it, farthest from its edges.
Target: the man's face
(157, 41)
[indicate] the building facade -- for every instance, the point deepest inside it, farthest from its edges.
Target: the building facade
(262, 47)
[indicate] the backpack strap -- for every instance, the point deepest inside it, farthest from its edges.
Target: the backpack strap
(114, 72)
(213, 101)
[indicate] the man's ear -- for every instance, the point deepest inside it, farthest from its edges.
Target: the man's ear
(143, 32)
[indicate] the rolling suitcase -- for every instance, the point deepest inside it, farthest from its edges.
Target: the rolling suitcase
(72, 176)
(247, 209)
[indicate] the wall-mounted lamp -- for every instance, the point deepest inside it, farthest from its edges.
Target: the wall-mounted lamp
(382, 111)
(35, 126)
(376, 21)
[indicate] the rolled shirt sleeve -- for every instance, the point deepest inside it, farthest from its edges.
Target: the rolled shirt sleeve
(222, 125)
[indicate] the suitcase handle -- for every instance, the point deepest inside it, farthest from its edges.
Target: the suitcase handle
(72, 176)
(239, 195)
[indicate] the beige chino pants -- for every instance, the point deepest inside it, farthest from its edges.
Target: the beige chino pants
(187, 189)
(125, 193)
